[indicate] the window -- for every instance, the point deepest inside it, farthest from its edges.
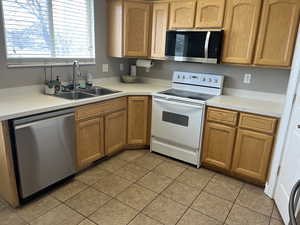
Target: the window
(49, 31)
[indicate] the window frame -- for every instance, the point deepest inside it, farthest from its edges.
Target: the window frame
(57, 61)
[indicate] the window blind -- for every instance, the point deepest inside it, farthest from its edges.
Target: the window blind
(48, 31)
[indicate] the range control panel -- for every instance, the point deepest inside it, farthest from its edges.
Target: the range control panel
(200, 79)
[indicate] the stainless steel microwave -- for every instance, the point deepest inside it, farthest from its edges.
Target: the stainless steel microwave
(194, 45)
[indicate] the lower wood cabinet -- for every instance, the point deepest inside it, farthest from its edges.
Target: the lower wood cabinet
(218, 145)
(90, 141)
(115, 131)
(242, 150)
(138, 116)
(252, 155)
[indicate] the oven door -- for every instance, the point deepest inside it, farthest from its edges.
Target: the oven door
(177, 122)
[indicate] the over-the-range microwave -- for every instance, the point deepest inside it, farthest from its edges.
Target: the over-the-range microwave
(194, 45)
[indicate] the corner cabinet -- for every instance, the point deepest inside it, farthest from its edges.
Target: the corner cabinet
(210, 13)
(160, 13)
(242, 150)
(136, 28)
(240, 30)
(138, 120)
(276, 39)
(182, 14)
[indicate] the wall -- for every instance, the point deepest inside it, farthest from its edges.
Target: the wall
(263, 79)
(13, 77)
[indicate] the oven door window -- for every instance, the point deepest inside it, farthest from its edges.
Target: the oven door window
(175, 118)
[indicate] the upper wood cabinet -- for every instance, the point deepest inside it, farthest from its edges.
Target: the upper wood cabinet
(210, 13)
(241, 24)
(218, 145)
(138, 113)
(136, 28)
(182, 14)
(90, 141)
(115, 131)
(160, 13)
(277, 33)
(251, 155)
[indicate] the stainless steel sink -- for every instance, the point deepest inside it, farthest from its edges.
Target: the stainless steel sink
(74, 95)
(99, 91)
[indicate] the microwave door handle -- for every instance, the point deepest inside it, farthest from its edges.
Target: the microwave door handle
(206, 44)
(178, 103)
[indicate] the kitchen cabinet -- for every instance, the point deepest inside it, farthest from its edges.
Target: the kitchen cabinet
(138, 116)
(240, 30)
(160, 13)
(277, 33)
(210, 13)
(218, 145)
(182, 14)
(115, 131)
(242, 150)
(136, 28)
(252, 155)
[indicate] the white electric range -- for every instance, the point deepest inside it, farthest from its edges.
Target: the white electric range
(178, 115)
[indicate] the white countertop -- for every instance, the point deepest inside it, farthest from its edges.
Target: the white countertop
(29, 100)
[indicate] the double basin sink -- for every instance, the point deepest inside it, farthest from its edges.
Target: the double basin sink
(85, 93)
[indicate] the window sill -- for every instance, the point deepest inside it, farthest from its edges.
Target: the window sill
(48, 64)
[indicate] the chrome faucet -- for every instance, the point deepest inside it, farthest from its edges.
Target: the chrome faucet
(76, 73)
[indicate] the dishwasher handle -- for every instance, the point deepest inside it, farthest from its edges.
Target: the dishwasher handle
(44, 120)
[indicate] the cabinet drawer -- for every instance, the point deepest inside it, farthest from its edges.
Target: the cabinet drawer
(96, 109)
(222, 116)
(258, 123)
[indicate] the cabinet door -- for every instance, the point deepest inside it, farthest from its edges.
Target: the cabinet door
(115, 131)
(136, 28)
(240, 26)
(210, 13)
(138, 120)
(90, 141)
(182, 14)
(159, 28)
(252, 155)
(277, 33)
(218, 145)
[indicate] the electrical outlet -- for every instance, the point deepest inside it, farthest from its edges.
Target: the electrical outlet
(121, 67)
(105, 68)
(247, 78)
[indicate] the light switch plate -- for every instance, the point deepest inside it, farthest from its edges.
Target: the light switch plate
(105, 68)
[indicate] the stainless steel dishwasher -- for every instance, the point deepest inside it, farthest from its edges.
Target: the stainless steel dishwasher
(45, 149)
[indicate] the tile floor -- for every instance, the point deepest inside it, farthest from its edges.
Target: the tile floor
(141, 188)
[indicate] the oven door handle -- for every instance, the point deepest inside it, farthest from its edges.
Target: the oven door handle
(178, 103)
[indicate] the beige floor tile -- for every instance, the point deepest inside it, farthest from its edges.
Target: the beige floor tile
(224, 187)
(136, 196)
(37, 208)
(243, 216)
(165, 210)
(181, 193)
(61, 215)
(141, 219)
(275, 213)
(87, 222)
(192, 217)
(113, 213)
(197, 179)
(131, 155)
(112, 185)
(212, 206)
(132, 172)
(155, 182)
(9, 217)
(148, 161)
(254, 198)
(68, 190)
(112, 164)
(88, 201)
(176, 162)
(169, 169)
(92, 175)
(276, 222)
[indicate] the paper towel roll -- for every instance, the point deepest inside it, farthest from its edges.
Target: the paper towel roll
(144, 63)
